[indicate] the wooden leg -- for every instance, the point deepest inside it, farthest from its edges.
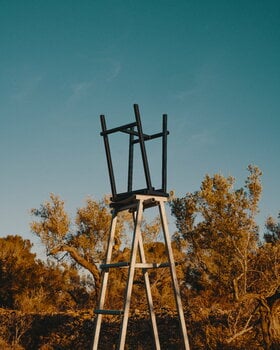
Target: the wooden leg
(173, 275)
(149, 294)
(131, 270)
(105, 275)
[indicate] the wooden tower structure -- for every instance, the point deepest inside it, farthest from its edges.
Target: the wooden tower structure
(136, 201)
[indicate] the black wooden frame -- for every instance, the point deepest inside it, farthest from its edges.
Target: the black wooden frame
(135, 130)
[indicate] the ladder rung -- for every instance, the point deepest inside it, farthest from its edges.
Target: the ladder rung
(109, 312)
(151, 265)
(137, 265)
(117, 264)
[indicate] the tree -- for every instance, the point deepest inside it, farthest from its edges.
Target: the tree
(30, 285)
(272, 234)
(84, 244)
(18, 268)
(218, 224)
(83, 241)
(267, 277)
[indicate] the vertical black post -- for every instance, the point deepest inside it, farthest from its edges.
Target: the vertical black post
(142, 146)
(164, 152)
(108, 156)
(130, 162)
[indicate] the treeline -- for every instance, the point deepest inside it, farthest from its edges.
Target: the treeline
(229, 272)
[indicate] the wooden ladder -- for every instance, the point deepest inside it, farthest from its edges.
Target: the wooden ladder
(137, 204)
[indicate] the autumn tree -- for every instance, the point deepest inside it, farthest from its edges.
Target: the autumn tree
(18, 268)
(82, 241)
(267, 283)
(267, 260)
(272, 234)
(30, 285)
(218, 224)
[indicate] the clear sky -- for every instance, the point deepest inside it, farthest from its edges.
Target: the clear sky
(212, 66)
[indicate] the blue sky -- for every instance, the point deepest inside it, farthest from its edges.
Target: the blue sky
(212, 66)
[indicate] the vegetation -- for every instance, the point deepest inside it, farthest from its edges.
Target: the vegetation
(229, 274)
(232, 277)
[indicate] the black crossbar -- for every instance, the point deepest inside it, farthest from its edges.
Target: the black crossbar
(151, 137)
(119, 128)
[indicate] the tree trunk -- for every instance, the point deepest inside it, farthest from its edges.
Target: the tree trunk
(270, 322)
(92, 268)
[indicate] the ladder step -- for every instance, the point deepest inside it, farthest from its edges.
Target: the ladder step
(151, 265)
(109, 312)
(137, 265)
(117, 264)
